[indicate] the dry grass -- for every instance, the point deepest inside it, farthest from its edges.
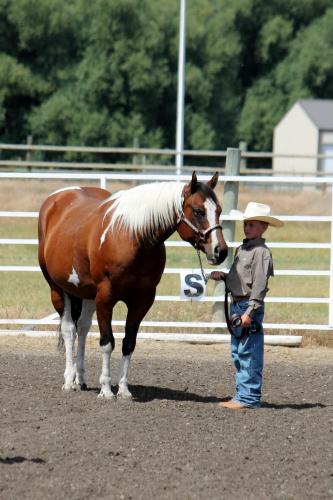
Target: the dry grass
(28, 194)
(26, 294)
(283, 201)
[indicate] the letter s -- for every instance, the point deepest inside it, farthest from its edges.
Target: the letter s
(190, 280)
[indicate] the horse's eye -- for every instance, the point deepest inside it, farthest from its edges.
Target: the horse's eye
(198, 212)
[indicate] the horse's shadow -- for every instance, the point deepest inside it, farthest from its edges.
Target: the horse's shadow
(145, 394)
(148, 393)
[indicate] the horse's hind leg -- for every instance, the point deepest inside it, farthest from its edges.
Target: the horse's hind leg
(83, 325)
(135, 315)
(68, 331)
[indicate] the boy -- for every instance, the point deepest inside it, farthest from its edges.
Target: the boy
(247, 283)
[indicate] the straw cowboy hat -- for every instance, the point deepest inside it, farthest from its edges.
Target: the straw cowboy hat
(257, 211)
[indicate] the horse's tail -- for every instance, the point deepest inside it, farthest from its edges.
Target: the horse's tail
(60, 343)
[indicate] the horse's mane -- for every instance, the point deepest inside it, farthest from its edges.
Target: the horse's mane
(143, 209)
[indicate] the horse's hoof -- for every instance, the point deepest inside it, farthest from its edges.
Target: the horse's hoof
(69, 387)
(83, 387)
(106, 395)
(127, 396)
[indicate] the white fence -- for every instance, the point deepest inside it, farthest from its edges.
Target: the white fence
(102, 178)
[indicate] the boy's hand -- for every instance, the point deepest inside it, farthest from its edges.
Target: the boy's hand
(217, 276)
(246, 320)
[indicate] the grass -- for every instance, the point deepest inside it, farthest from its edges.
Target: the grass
(26, 295)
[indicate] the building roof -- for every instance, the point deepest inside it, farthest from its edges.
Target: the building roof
(320, 111)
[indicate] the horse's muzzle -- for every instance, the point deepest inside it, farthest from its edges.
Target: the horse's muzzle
(219, 255)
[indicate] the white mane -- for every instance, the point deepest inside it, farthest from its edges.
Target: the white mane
(143, 209)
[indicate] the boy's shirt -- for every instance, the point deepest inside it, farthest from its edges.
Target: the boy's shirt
(249, 273)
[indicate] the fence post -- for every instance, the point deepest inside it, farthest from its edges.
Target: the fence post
(229, 202)
(330, 306)
(102, 182)
(243, 148)
(28, 154)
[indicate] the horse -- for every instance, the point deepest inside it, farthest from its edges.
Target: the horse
(97, 248)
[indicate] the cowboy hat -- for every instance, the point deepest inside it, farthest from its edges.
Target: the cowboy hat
(257, 211)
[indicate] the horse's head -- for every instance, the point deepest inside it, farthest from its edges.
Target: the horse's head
(199, 222)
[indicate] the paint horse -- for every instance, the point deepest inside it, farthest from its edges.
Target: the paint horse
(96, 249)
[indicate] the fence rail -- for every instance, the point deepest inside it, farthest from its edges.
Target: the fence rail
(134, 151)
(103, 178)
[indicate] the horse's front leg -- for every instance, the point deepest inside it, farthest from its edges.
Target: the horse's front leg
(136, 312)
(129, 343)
(104, 317)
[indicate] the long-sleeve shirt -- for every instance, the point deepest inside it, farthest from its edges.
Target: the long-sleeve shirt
(249, 273)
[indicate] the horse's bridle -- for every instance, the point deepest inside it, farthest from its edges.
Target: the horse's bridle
(202, 233)
(202, 237)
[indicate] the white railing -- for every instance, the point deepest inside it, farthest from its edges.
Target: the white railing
(103, 178)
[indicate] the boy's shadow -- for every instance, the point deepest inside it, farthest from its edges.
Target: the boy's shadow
(18, 460)
(292, 406)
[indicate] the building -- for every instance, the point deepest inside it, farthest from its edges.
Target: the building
(306, 129)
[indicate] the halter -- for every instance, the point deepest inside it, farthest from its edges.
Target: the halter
(202, 237)
(200, 232)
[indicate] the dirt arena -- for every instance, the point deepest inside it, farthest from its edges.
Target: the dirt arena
(171, 442)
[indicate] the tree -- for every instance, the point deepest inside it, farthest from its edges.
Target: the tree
(118, 90)
(105, 72)
(305, 71)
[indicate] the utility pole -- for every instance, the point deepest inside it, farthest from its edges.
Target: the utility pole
(181, 89)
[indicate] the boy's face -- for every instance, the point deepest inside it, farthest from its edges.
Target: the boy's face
(254, 229)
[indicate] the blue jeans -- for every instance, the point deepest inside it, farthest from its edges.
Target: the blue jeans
(248, 357)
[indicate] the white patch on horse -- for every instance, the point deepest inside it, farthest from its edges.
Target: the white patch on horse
(65, 189)
(105, 378)
(68, 332)
(102, 238)
(144, 208)
(210, 206)
(74, 278)
(122, 377)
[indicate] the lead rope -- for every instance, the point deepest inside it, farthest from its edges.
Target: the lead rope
(244, 331)
(202, 270)
(226, 311)
(226, 302)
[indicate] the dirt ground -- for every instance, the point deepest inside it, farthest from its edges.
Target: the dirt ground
(171, 441)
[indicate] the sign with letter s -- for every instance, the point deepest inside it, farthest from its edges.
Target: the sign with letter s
(192, 285)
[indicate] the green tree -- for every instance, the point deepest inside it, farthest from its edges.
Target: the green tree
(305, 71)
(19, 89)
(119, 89)
(105, 72)
(37, 42)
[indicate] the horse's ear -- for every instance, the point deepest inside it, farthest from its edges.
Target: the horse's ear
(212, 183)
(190, 188)
(194, 182)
